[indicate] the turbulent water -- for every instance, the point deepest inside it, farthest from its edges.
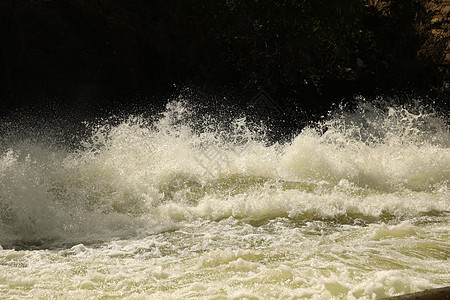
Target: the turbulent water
(182, 207)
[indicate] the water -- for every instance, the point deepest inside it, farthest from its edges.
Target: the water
(186, 206)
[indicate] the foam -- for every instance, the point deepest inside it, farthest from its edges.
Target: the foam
(138, 176)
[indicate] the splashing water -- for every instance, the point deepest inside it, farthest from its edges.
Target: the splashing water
(355, 207)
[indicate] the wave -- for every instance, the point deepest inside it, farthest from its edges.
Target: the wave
(140, 176)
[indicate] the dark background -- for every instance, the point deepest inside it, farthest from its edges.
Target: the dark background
(90, 56)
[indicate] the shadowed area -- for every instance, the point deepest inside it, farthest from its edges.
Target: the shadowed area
(306, 54)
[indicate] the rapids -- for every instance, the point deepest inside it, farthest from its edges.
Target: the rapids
(184, 205)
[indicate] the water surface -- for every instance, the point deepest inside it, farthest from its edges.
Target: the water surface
(182, 207)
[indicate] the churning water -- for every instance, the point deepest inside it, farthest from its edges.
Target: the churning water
(182, 207)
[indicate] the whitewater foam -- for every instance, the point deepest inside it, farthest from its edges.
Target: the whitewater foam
(139, 176)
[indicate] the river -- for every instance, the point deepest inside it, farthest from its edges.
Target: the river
(356, 206)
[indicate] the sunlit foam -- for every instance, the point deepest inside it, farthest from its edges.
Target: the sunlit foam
(138, 175)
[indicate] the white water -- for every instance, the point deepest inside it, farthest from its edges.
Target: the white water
(185, 207)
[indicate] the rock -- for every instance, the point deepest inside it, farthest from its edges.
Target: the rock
(433, 294)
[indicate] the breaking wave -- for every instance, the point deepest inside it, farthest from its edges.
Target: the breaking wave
(140, 176)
